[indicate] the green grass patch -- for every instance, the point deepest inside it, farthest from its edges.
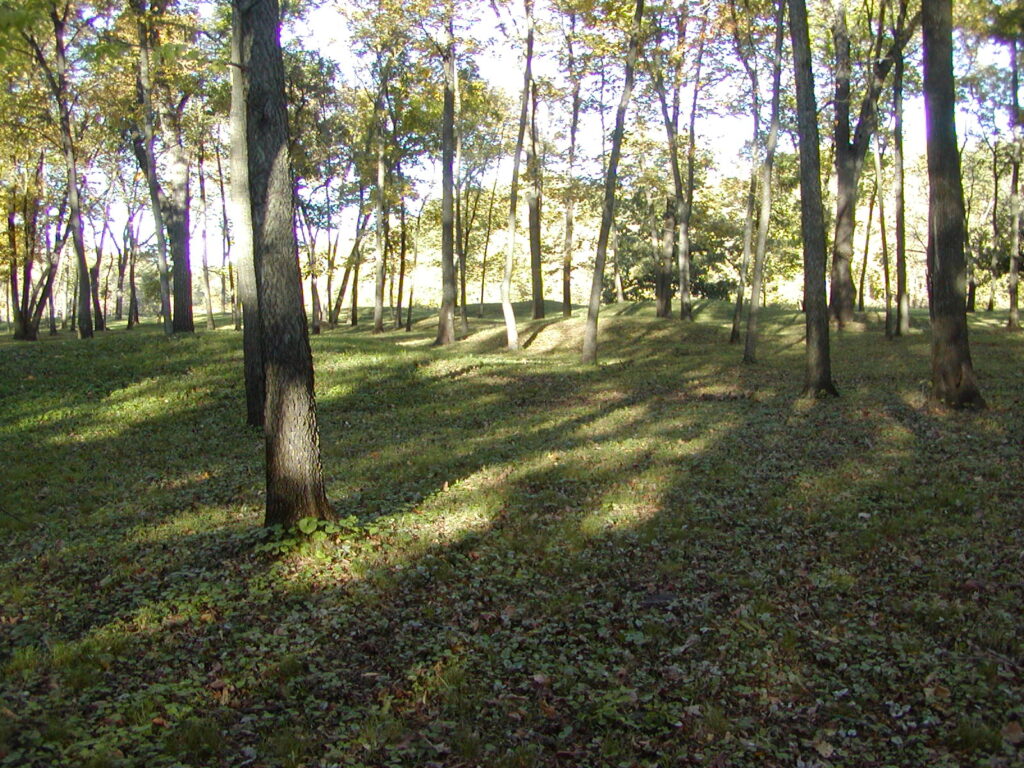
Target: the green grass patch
(667, 559)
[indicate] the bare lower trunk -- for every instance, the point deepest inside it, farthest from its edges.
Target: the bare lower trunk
(533, 204)
(211, 324)
(764, 215)
(953, 379)
(818, 371)
(589, 353)
(241, 219)
(446, 317)
(295, 488)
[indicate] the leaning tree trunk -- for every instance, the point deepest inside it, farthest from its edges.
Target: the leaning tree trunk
(295, 487)
(953, 379)
(589, 354)
(685, 208)
(511, 331)
(764, 215)
(241, 219)
(57, 80)
(818, 373)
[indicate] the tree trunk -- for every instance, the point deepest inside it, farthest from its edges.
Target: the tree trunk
(511, 331)
(295, 488)
(620, 293)
(748, 237)
(818, 374)
(994, 261)
(1013, 323)
(356, 263)
(867, 247)
(403, 248)
(533, 205)
(381, 230)
(902, 295)
(589, 354)
(570, 187)
(133, 296)
(415, 261)
(666, 258)
(764, 215)
(177, 204)
(242, 229)
(880, 189)
(487, 240)
(685, 213)
(446, 316)
(953, 379)
(211, 324)
(145, 154)
(57, 80)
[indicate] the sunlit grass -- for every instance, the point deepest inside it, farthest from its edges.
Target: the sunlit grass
(669, 559)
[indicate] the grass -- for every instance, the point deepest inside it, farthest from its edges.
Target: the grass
(669, 559)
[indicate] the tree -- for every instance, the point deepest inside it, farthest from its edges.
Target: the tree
(295, 487)
(242, 231)
(851, 143)
(576, 80)
(818, 370)
(953, 379)
(50, 53)
(589, 354)
(765, 182)
(446, 317)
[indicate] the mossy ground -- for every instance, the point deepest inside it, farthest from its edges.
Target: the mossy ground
(668, 559)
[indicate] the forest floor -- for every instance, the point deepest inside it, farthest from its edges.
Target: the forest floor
(670, 559)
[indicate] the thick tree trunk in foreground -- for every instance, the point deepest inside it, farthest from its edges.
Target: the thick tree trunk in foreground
(953, 380)
(295, 487)
(589, 354)
(818, 375)
(241, 228)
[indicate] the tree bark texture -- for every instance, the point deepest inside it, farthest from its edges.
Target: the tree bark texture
(242, 233)
(295, 488)
(446, 316)
(765, 182)
(818, 370)
(953, 379)
(589, 354)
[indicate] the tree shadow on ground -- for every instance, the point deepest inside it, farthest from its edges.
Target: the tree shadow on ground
(663, 561)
